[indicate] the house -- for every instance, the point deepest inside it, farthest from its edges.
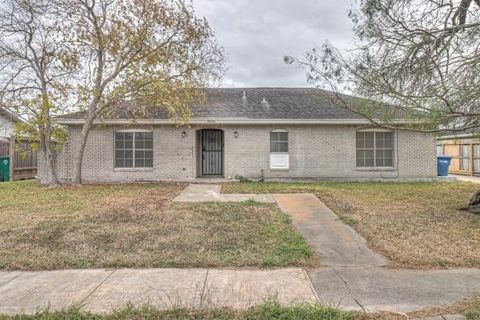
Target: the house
(7, 123)
(464, 148)
(274, 133)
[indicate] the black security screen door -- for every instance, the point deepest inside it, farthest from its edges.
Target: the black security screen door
(212, 152)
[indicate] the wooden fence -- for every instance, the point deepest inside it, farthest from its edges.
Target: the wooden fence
(465, 157)
(23, 160)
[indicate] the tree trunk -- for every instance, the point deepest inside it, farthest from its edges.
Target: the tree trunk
(78, 157)
(474, 205)
(50, 167)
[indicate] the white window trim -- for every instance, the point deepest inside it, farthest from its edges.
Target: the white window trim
(375, 148)
(276, 155)
(133, 168)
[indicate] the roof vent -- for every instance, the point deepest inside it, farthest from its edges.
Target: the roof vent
(265, 103)
(244, 97)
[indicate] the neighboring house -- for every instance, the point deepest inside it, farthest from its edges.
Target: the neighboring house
(275, 133)
(7, 123)
(464, 148)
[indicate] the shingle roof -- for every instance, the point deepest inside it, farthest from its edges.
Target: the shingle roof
(281, 103)
(6, 114)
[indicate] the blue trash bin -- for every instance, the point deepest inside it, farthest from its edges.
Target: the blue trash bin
(443, 162)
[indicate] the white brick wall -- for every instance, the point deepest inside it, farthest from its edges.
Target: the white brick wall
(326, 151)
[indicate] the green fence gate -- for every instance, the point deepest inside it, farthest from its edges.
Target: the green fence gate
(4, 169)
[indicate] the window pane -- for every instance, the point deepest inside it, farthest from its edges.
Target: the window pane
(360, 158)
(128, 163)
(139, 162)
(128, 144)
(139, 144)
(119, 163)
(119, 136)
(379, 158)
(369, 158)
(128, 136)
(149, 155)
(128, 154)
(273, 146)
(149, 163)
(388, 162)
(360, 139)
(139, 136)
(379, 140)
(368, 139)
(273, 136)
(283, 136)
(148, 144)
(283, 147)
(388, 137)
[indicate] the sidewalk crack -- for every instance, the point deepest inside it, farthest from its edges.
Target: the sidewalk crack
(350, 290)
(305, 273)
(202, 295)
(95, 289)
(11, 279)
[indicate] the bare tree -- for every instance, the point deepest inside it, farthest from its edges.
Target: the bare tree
(34, 67)
(423, 56)
(156, 53)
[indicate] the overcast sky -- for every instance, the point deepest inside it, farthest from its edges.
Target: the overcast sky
(257, 34)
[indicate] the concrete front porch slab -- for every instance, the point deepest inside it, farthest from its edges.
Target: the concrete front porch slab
(212, 193)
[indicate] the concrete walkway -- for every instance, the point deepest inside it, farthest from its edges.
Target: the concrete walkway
(335, 242)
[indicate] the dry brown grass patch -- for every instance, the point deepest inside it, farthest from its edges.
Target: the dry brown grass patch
(138, 225)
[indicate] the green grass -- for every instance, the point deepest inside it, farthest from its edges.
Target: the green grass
(473, 313)
(269, 310)
(412, 224)
(138, 225)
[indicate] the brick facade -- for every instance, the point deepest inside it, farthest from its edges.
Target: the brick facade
(315, 151)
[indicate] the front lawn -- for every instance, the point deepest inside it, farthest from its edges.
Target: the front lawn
(137, 225)
(412, 224)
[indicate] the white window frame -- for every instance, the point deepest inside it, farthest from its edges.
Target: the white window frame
(279, 160)
(133, 131)
(375, 130)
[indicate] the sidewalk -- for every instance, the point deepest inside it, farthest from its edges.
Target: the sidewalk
(105, 290)
(356, 288)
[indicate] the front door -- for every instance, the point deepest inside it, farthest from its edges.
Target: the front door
(212, 152)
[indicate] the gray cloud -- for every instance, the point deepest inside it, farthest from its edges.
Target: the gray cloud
(257, 34)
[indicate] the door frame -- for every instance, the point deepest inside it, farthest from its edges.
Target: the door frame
(199, 147)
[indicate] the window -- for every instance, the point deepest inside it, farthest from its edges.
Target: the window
(279, 141)
(374, 149)
(279, 149)
(133, 149)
